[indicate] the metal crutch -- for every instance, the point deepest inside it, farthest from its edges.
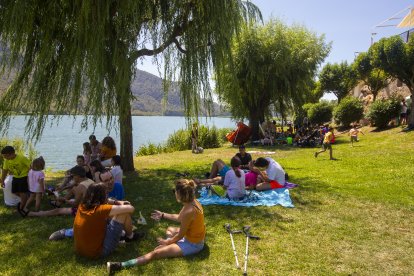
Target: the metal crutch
(228, 229)
(246, 231)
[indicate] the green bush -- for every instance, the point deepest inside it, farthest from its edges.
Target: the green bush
(21, 147)
(349, 110)
(319, 113)
(381, 112)
(181, 140)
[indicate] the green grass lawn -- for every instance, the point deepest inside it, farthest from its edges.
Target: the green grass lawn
(351, 216)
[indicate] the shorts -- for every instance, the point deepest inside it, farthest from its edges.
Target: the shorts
(354, 138)
(189, 248)
(20, 185)
(326, 146)
(112, 236)
(223, 171)
(275, 185)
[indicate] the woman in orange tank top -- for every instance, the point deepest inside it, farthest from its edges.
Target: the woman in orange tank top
(181, 241)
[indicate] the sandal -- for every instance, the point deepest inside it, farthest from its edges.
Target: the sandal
(23, 213)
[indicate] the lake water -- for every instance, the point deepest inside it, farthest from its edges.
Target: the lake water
(61, 143)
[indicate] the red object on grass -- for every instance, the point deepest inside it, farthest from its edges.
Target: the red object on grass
(275, 185)
(239, 136)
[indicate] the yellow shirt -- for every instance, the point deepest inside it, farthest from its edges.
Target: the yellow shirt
(197, 229)
(328, 137)
(107, 153)
(18, 167)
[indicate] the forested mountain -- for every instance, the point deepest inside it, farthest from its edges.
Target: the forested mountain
(148, 91)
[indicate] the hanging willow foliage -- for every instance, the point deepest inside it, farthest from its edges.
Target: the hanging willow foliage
(79, 56)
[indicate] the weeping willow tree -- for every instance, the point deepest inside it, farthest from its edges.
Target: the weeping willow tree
(271, 66)
(80, 56)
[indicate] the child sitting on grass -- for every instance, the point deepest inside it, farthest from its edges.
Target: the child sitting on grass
(36, 179)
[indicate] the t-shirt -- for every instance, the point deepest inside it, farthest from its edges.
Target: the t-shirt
(107, 153)
(33, 179)
(235, 186)
(244, 159)
(18, 167)
(117, 173)
(96, 149)
(89, 230)
(328, 137)
(275, 172)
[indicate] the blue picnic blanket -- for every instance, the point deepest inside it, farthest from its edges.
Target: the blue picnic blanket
(255, 198)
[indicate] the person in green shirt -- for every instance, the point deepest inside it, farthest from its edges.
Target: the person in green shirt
(18, 166)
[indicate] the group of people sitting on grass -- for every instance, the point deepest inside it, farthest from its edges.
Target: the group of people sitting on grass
(244, 174)
(101, 219)
(304, 135)
(102, 216)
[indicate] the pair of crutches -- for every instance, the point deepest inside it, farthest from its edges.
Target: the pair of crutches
(246, 231)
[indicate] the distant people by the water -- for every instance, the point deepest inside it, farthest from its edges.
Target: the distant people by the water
(17, 165)
(95, 147)
(108, 150)
(87, 152)
(194, 138)
(403, 114)
(186, 240)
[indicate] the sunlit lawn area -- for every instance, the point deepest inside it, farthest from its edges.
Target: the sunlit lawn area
(351, 216)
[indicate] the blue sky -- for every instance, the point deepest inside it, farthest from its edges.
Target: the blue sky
(348, 24)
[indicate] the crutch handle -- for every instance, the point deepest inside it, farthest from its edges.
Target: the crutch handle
(236, 231)
(254, 237)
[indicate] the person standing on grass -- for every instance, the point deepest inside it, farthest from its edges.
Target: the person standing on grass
(326, 144)
(186, 240)
(18, 166)
(403, 114)
(354, 134)
(36, 180)
(194, 138)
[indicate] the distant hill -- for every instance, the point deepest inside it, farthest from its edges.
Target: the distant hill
(148, 91)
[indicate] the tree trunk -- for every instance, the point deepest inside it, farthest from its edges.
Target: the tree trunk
(411, 116)
(125, 128)
(254, 122)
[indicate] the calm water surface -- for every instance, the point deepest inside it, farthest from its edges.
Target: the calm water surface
(61, 143)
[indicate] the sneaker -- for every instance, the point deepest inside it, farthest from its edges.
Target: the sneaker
(111, 267)
(58, 235)
(137, 236)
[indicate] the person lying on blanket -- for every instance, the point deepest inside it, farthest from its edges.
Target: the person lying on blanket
(216, 176)
(273, 178)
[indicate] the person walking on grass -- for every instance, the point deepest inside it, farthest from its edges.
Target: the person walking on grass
(354, 134)
(186, 240)
(327, 143)
(18, 166)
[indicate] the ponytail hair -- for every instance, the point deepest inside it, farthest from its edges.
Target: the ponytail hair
(235, 164)
(185, 190)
